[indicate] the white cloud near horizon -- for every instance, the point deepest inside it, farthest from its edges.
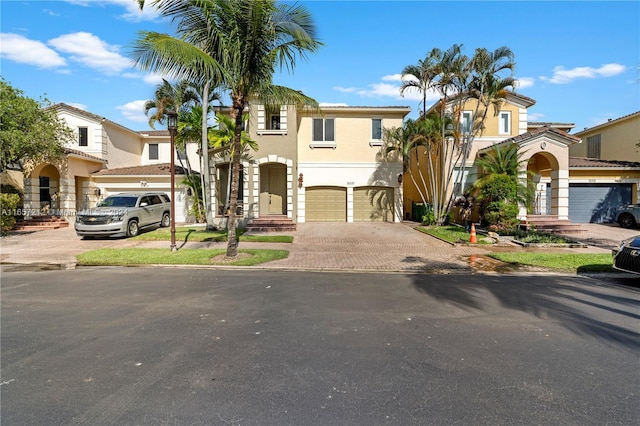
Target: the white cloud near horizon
(525, 82)
(18, 48)
(134, 111)
(77, 105)
(333, 104)
(535, 116)
(564, 76)
(388, 87)
(89, 50)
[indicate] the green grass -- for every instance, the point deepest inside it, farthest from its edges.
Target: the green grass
(196, 234)
(571, 262)
(158, 256)
(452, 234)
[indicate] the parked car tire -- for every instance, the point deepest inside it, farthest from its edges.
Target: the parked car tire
(132, 228)
(626, 220)
(166, 220)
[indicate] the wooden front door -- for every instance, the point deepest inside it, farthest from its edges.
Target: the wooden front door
(273, 190)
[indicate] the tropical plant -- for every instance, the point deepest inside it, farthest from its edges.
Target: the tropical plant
(239, 43)
(169, 97)
(500, 188)
(30, 130)
(459, 79)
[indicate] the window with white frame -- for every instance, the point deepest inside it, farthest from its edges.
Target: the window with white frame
(273, 122)
(83, 136)
(376, 131)
(272, 119)
(153, 151)
(323, 131)
(504, 123)
(466, 121)
(593, 146)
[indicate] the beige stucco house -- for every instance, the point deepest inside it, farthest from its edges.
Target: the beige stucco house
(314, 166)
(582, 177)
(104, 158)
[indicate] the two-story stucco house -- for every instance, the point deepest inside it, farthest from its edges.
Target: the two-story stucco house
(314, 166)
(581, 177)
(105, 158)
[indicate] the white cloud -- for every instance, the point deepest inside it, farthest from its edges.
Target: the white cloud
(77, 105)
(134, 111)
(20, 49)
(392, 77)
(563, 76)
(524, 82)
(153, 79)
(92, 52)
(133, 12)
(333, 104)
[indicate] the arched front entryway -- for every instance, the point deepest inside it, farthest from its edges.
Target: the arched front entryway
(541, 168)
(43, 192)
(273, 189)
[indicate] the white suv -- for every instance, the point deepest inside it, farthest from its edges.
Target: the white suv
(123, 215)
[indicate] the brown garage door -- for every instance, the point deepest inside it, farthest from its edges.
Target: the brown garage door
(326, 204)
(373, 204)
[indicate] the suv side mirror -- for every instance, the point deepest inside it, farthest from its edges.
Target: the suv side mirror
(144, 204)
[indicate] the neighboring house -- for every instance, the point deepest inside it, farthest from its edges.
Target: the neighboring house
(314, 166)
(105, 158)
(568, 186)
(605, 169)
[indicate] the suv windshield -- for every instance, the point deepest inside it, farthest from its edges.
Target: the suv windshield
(118, 202)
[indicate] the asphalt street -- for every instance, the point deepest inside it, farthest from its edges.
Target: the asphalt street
(173, 346)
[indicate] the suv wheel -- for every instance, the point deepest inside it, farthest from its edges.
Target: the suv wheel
(166, 220)
(626, 221)
(132, 228)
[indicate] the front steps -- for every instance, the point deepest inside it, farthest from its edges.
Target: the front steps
(271, 223)
(40, 223)
(551, 224)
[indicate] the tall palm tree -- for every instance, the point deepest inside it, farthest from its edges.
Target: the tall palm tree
(240, 43)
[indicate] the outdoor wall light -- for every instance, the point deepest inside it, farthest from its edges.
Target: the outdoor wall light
(300, 180)
(400, 178)
(97, 192)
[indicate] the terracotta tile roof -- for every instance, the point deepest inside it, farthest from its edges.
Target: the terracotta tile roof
(624, 117)
(163, 169)
(83, 154)
(533, 133)
(580, 162)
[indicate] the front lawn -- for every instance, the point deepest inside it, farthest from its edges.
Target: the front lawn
(199, 234)
(158, 256)
(570, 262)
(451, 234)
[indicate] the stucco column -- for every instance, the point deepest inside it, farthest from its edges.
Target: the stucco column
(350, 204)
(560, 194)
(31, 201)
(522, 209)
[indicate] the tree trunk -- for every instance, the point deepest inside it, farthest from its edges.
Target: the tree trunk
(236, 114)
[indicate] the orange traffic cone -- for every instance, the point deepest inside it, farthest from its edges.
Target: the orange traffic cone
(473, 239)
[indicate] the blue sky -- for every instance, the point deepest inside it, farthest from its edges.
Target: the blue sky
(580, 60)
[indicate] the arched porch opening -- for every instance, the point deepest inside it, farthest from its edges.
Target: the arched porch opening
(542, 169)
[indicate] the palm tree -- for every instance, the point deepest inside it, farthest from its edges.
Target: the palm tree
(241, 44)
(170, 97)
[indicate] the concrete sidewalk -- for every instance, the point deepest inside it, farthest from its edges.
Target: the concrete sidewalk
(393, 247)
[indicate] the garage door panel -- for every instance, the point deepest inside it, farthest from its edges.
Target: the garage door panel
(326, 204)
(597, 203)
(373, 204)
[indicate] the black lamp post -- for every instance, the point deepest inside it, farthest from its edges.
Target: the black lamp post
(172, 125)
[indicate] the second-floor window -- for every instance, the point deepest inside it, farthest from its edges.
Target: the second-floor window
(324, 130)
(376, 130)
(593, 146)
(274, 121)
(466, 122)
(504, 123)
(153, 151)
(83, 136)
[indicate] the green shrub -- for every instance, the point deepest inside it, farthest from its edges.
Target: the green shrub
(8, 206)
(429, 218)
